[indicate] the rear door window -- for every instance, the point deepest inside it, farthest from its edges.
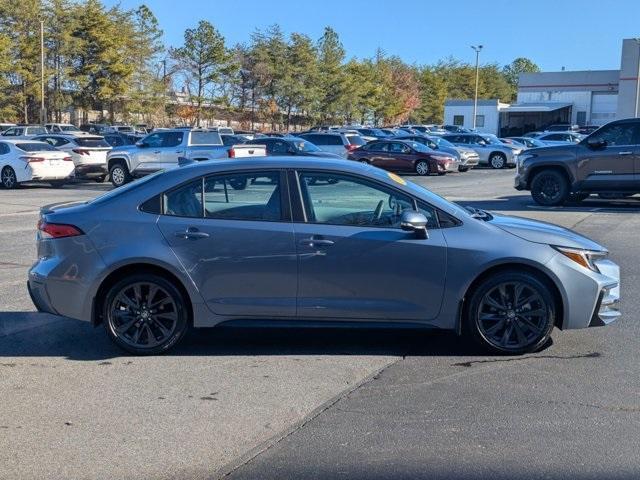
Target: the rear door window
(92, 142)
(244, 196)
(172, 139)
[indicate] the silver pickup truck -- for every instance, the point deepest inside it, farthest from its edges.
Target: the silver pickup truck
(163, 149)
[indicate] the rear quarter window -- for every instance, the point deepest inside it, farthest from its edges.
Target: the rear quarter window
(205, 138)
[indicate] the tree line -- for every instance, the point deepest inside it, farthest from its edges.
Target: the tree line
(113, 60)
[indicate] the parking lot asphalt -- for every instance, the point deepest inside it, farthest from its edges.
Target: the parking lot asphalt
(319, 404)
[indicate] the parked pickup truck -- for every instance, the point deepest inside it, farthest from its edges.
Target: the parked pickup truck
(162, 149)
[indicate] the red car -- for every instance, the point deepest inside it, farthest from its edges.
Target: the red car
(405, 156)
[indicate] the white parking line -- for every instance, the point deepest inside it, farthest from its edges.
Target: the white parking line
(24, 212)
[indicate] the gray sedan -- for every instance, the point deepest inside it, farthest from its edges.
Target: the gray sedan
(310, 242)
(490, 149)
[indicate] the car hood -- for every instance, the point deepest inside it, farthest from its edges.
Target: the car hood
(563, 150)
(543, 232)
(320, 154)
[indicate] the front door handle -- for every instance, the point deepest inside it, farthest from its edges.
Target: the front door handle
(316, 242)
(625, 153)
(191, 234)
(158, 151)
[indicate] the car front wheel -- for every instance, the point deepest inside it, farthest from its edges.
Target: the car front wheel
(422, 168)
(119, 174)
(511, 313)
(145, 314)
(497, 161)
(549, 188)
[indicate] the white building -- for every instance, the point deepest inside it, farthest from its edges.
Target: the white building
(580, 97)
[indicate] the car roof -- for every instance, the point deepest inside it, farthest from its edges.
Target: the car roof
(21, 140)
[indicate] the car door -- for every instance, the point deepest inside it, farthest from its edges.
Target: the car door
(377, 153)
(614, 164)
(149, 155)
(171, 149)
(238, 244)
(400, 157)
(354, 260)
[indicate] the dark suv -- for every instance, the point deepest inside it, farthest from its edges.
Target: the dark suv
(606, 162)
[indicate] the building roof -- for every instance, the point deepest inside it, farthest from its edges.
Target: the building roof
(457, 102)
(535, 107)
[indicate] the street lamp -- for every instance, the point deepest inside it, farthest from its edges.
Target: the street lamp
(637, 79)
(475, 97)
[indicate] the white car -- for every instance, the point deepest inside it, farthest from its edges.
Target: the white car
(24, 131)
(61, 128)
(25, 160)
(559, 138)
(88, 151)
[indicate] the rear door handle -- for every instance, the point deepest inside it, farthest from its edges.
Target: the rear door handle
(625, 153)
(191, 234)
(316, 242)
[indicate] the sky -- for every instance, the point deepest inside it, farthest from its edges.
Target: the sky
(577, 35)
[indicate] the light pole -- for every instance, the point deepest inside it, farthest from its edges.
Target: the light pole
(637, 80)
(475, 97)
(43, 115)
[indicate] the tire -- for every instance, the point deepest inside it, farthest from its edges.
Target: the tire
(57, 183)
(463, 169)
(364, 160)
(8, 178)
(136, 327)
(497, 160)
(422, 168)
(549, 188)
(100, 179)
(119, 174)
(499, 321)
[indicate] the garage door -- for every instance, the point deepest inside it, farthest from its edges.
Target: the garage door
(603, 108)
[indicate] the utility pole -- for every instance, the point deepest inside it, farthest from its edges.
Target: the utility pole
(638, 79)
(475, 98)
(43, 114)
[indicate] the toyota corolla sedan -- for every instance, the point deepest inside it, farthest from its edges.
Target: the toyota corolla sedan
(311, 242)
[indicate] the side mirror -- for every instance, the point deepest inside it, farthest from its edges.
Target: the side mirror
(596, 143)
(141, 144)
(416, 222)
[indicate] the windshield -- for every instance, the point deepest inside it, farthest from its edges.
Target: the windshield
(35, 147)
(419, 147)
(441, 142)
(492, 139)
(304, 146)
(95, 142)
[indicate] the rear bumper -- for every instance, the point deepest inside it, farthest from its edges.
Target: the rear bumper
(91, 170)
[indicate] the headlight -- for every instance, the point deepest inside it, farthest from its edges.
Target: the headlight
(586, 258)
(442, 158)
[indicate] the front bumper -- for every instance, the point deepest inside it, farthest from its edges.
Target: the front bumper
(470, 161)
(589, 298)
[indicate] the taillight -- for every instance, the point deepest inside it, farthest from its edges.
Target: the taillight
(80, 151)
(351, 147)
(32, 159)
(68, 159)
(58, 230)
(232, 153)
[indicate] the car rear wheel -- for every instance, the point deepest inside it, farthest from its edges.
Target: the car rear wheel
(100, 179)
(119, 174)
(511, 313)
(422, 168)
(549, 188)
(57, 183)
(463, 169)
(497, 160)
(8, 178)
(145, 314)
